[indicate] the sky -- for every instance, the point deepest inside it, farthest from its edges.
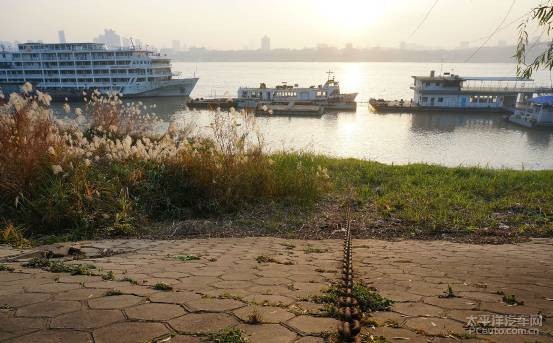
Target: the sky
(234, 24)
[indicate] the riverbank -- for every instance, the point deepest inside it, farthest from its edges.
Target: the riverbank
(103, 174)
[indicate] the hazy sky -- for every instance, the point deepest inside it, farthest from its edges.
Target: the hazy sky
(233, 24)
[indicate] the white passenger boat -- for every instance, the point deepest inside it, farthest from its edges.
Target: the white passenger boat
(450, 92)
(327, 96)
(68, 69)
(537, 111)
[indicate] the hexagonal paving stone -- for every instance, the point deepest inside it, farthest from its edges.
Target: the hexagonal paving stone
(418, 309)
(267, 333)
(238, 276)
(310, 339)
(262, 299)
(80, 294)
(88, 319)
(19, 326)
(202, 322)
(213, 304)
(155, 311)
(435, 326)
(114, 302)
(48, 309)
(55, 336)
(23, 299)
(174, 297)
(232, 284)
(54, 287)
(395, 334)
(130, 332)
(267, 314)
(313, 325)
(184, 339)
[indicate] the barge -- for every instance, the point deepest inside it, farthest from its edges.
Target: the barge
(327, 96)
(450, 92)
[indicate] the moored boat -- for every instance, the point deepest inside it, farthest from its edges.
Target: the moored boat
(535, 112)
(67, 69)
(327, 96)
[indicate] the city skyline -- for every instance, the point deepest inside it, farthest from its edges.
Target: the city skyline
(309, 23)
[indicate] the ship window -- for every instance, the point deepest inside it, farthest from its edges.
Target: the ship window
(426, 84)
(440, 99)
(437, 84)
(424, 99)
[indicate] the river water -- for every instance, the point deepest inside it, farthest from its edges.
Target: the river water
(449, 139)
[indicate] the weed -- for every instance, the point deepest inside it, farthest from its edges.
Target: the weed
(186, 258)
(160, 286)
(369, 300)
(511, 299)
(109, 276)
(6, 268)
(227, 335)
(14, 237)
(288, 246)
(128, 279)
(113, 292)
(448, 293)
(265, 259)
(311, 250)
(60, 266)
(254, 317)
(5, 307)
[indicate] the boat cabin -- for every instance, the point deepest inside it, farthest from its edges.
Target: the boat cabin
(453, 91)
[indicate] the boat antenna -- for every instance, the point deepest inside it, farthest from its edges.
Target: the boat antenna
(330, 72)
(132, 43)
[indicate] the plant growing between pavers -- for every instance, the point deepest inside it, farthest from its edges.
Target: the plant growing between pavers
(227, 335)
(6, 268)
(369, 299)
(254, 317)
(511, 299)
(448, 293)
(186, 258)
(113, 292)
(161, 286)
(109, 276)
(60, 266)
(312, 250)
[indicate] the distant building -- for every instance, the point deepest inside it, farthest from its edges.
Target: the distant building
(265, 43)
(464, 45)
(349, 46)
(109, 38)
(176, 45)
(402, 45)
(61, 36)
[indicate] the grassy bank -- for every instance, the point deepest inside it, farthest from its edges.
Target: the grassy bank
(105, 174)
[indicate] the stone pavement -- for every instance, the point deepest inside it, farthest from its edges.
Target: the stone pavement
(239, 281)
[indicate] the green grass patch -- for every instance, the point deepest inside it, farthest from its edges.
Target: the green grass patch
(60, 266)
(228, 335)
(6, 268)
(313, 250)
(109, 276)
(186, 258)
(370, 300)
(511, 299)
(113, 292)
(161, 286)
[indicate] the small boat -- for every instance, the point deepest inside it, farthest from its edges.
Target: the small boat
(327, 96)
(211, 103)
(535, 112)
(289, 109)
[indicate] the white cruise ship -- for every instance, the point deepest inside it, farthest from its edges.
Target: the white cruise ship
(68, 69)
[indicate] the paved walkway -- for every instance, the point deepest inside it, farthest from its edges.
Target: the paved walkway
(230, 285)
